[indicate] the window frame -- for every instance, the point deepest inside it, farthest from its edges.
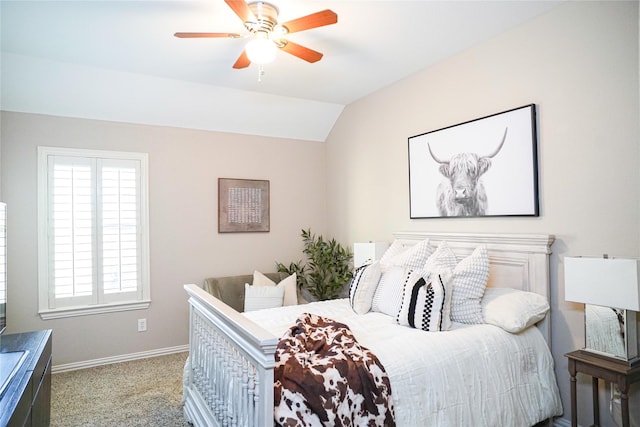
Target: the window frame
(45, 287)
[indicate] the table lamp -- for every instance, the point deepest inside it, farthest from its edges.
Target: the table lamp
(609, 289)
(363, 252)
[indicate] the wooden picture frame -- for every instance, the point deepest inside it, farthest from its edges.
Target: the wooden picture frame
(481, 168)
(243, 205)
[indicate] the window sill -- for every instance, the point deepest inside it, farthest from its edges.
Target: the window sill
(60, 313)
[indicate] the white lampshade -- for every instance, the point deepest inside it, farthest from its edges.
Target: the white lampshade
(261, 49)
(362, 252)
(608, 282)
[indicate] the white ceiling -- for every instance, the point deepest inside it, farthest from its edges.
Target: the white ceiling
(81, 54)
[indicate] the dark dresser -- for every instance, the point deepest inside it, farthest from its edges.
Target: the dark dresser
(27, 399)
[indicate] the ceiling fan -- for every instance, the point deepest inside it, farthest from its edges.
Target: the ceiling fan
(267, 35)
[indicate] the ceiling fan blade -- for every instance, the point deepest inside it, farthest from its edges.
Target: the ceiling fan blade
(301, 52)
(241, 9)
(318, 19)
(242, 61)
(207, 35)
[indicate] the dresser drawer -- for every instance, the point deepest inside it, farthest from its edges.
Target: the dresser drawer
(41, 367)
(23, 408)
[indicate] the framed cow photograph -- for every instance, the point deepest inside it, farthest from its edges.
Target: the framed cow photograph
(481, 168)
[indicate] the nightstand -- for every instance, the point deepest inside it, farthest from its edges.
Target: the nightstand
(616, 371)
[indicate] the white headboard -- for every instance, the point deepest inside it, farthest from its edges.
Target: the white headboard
(519, 261)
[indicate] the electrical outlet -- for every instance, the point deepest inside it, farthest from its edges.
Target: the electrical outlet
(142, 325)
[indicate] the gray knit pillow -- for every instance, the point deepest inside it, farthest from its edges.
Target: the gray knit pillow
(469, 281)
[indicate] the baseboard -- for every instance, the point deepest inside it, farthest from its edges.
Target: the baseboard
(117, 359)
(561, 422)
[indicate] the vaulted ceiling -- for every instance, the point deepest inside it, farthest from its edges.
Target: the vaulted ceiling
(119, 60)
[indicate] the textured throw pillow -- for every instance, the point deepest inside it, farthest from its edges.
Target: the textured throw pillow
(442, 257)
(363, 287)
(513, 310)
(259, 297)
(413, 257)
(388, 295)
(469, 281)
(394, 249)
(426, 301)
(288, 283)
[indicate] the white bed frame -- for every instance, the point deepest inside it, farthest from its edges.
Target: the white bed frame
(229, 378)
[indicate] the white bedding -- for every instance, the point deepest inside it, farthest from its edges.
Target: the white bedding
(448, 371)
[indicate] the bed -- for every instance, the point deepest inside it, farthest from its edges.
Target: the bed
(480, 374)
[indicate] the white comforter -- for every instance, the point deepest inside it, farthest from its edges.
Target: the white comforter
(474, 375)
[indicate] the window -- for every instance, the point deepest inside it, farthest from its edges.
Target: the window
(92, 237)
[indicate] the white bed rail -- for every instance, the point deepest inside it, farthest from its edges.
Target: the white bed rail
(229, 375)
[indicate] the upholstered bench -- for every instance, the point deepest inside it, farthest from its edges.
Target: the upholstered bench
(231, 289)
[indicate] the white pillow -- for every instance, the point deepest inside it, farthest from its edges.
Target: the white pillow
(513, 310)
(363, 287)
(426, 301)
(259, 297)
(288, 283)
(442, 258)
(388, 295)
(469, 281)
(413, 257)
(394, 249)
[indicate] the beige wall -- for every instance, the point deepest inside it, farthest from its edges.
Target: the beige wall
(579, 65)
(185, 246)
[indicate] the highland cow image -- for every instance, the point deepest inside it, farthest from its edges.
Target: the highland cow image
(462, 192)
(484, 167)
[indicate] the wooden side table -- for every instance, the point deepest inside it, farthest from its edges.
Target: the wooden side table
(608, 369)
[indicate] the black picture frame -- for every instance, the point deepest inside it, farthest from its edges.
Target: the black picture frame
(492, 162)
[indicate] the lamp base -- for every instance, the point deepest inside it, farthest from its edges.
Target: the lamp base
(612, 333)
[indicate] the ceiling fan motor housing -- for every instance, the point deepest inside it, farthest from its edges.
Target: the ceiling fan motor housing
(266, 17)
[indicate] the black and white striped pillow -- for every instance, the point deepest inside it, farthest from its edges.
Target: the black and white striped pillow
(426, 301)
(363, 286)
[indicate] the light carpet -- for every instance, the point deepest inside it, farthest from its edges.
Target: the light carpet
(142, 393)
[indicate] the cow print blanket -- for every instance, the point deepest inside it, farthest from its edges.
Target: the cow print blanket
(323, 377)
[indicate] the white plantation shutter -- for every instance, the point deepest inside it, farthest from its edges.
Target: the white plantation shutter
(119, 207)
(71, 219)
(95, 242)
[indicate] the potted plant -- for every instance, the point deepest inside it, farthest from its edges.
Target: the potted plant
(327, 267)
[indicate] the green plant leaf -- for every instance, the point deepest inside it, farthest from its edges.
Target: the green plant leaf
(327, 267)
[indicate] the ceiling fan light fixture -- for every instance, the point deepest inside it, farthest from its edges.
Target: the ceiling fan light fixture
(261, 49)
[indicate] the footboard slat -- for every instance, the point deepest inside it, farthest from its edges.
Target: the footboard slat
(229, 376)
